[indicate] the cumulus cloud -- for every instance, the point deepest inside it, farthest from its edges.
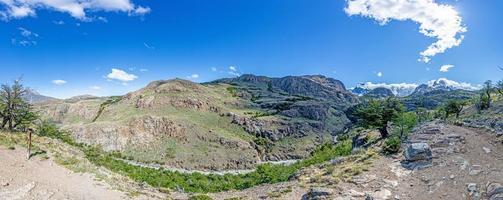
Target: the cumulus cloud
(446, 68)
(121, 75)
(435, 20)
(79, 9)
(398, 89)
(59, 82)
(444, 82)
(379, 74)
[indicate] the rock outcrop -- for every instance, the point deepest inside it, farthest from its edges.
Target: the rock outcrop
(417, 156)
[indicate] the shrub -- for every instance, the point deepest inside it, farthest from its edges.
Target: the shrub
(200, 197)
(392, 145)
(233, 91)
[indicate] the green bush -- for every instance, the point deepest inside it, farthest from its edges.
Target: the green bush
(392, 145)
(200, 197)
(233, 91)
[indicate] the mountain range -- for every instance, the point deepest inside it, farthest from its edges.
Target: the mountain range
(226, 124)
(406, 89)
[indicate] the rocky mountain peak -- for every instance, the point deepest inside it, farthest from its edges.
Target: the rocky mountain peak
(380, 92)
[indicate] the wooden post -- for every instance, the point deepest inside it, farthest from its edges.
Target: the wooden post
(30, 131)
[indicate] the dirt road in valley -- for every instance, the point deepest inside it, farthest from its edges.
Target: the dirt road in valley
(43, 179)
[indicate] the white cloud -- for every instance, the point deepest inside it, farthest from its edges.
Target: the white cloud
(445, 68)
(399, 89)
(121, 75)
(59, 82)
(148, 46)
(193, 76)
(60, 22)
(27, 33)
(76, 8)
(141, 10)
(435, 20)
(95, 87)
(379, 74)
(213, 69)
(233, 70)
(443, 82)
(26, 38)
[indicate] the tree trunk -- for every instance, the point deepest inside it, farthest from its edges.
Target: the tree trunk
(384, 132)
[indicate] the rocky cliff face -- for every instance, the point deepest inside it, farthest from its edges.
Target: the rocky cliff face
(293, 111)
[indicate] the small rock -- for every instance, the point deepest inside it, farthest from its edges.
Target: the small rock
(354, 193)
(368, 197)
(472, 187)
(317, 194)
(383, 194)
(497, 197)
(452, 177)
(487, 150)
(337, 161)
(494, 189)
(390, 183)
(473, 191)
(475, 170)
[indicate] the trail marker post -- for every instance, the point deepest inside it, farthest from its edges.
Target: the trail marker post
(30, 132)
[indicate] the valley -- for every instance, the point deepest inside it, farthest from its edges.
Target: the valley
(255, 137)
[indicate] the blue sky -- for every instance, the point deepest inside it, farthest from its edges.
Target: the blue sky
(151, 40)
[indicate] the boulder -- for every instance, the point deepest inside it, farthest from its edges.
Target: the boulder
(417, 156)
(317, 194)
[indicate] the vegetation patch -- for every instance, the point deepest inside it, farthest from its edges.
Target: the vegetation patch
(104, 105)
(392, 145)
(199, 183)
(233, 91)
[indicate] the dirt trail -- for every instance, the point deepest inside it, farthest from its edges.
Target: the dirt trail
(43, 179)
(461, 157)
(476, 159)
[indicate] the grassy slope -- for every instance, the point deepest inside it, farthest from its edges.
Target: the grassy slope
(71, 154)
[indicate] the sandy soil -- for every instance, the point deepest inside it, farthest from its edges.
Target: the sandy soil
(43, 179)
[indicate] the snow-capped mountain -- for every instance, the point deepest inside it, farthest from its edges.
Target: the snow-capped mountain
(406, 89)
(398, 89)
(443, 84)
